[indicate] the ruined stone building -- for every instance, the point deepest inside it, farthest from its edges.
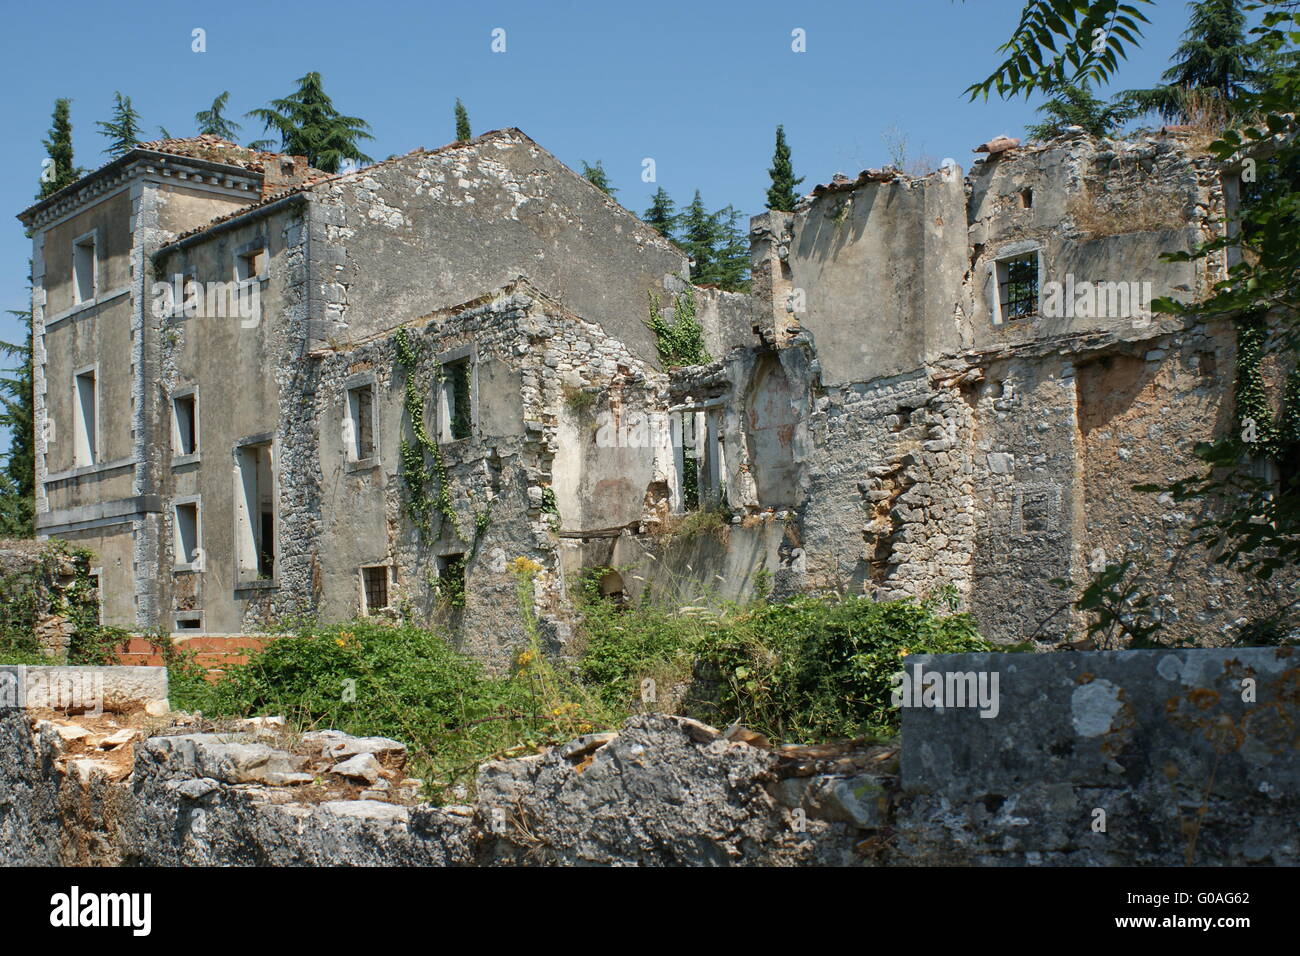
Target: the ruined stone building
(263, 390)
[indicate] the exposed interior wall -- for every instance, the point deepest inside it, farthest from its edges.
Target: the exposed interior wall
(878, 271)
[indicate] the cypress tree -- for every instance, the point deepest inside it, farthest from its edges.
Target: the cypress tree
(463, 134)
(58, 147)
(780, 195)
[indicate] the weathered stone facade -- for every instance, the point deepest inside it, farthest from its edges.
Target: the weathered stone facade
(912, 401)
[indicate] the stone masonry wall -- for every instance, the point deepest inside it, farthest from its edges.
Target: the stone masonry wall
(1103, 758)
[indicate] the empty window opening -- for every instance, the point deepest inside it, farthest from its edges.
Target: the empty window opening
(1026, 198)
(185, 418)
(361, 419)
(455, 412)
(85, 438)
(374, 587)
(84, 269)
(249, 265)
(187, 552)
(187, 621)
(97, 595)
(1018, 286)
(255, 511)
(451, 579)
(702, 462)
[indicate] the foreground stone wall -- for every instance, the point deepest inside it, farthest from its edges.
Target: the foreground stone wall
(1190, 755)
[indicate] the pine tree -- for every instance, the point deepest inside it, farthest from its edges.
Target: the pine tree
(58, 147)
(731, 268)
(698, 237)
(597, 177)
(123, 130)
(780, 195)
(310, 126)
(463, 134)
(18, 474)
(1074, 105)
(662, 214)
(1214, 58)
(212, 123)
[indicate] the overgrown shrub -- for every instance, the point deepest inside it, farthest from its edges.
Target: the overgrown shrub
(47, 581)
(808, 669)
(369, 677)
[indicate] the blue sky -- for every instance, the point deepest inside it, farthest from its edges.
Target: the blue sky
(699, 87)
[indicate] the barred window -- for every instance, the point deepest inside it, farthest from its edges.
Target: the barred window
(1018, 286)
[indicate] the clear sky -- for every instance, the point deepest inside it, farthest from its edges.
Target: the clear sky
(699, 86)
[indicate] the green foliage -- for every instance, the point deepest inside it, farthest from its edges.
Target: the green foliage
(1061, 43)
(662, 214)
(41, 589)
(58, 147)
(213, 123)
(1214, 57)
(1076, 106)
(1250, 525)
(310, 126)
(577, 400)
(717, 245)
(809, 669)
(123, 130)
(1256, 526)
(781, 195)
(463, 134)
(680, 342)
(421, 460)
(17, 416)
(370, 677)
(597, 177)
(709, 522)
(1121, 614)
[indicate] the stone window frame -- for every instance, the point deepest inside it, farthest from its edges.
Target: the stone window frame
(442, 416)
(93, 443)
(195, 501)
(180, 617)
(252, 247)
(1055, 495)
(244, 581)
(78, 242)
(188, 391)
(711, 412)
(390, 579)
(353, 383)
(993, 280)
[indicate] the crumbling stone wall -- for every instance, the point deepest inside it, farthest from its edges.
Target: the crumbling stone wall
(45, 591)
(1102, 758)
(528, 473)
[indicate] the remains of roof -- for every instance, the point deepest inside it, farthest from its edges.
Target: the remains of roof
(998, 144)
(841, 183)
